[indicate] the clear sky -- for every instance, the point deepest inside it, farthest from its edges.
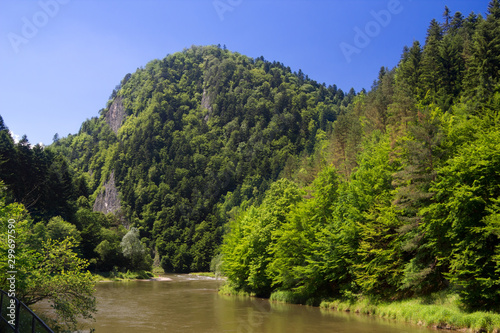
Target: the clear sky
(61, 59)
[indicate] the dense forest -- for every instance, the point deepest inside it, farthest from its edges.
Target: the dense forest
(283, 183)
(205, 130)
(180, 146)
(408, 200)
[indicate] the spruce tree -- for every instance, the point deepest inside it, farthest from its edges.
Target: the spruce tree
(431, 61)
(483, 73)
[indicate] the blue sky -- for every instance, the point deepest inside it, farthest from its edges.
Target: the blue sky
(60, 59)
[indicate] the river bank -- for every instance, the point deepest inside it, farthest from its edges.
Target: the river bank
(440, 311)
(155, 275)
(115, 276)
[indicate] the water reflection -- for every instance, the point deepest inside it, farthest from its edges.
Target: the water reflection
(188, 304)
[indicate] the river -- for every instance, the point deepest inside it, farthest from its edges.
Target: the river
(190, 304)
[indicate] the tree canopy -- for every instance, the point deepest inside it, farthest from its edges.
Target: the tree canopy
(204, 131)
(407, 200)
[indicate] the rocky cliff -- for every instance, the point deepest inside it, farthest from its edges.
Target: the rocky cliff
(108, 200)
(116, 114)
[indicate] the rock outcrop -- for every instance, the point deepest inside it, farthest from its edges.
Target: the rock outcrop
(116, 114)
(205, 103)
(108, 200)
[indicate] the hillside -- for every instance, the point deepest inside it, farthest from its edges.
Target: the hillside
(189, 138)
(409, 205)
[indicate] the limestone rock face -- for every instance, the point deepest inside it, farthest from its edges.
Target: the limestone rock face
(205, 100)
(205, 103)
(116, 114)
(108, 200)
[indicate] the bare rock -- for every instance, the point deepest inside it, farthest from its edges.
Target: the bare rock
(116, 114)
(108, 200)
(205, 103)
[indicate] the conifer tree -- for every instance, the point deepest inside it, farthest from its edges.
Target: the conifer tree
(431, 60)
(447, 18)
(413, 192)
(484, 65)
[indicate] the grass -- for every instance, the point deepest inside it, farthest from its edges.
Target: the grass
(207, 274)
(157, 270)
(293, 298)
(228, 289)
(440, 312)
(123, 276)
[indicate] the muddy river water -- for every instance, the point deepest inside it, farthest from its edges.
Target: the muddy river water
(191, 304)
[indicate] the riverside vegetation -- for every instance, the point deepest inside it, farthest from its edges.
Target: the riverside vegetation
(292, 189)
(406, 202)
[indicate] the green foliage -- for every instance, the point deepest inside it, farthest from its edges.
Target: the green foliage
(58, 229)
(134, 250)
(52, 272)
(439, 311)
(412, 206)
(57, 199)
(248, 249)
(115, 275)
(60, 277)
(109, 250)
(379, 262)
(216, 265)
(467, 205)
(292, 297)
(37, 178)
(205, 130)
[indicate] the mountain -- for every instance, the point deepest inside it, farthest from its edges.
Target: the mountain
(186, 140)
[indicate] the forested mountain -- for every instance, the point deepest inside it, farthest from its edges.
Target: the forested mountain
(409, 202)
(385, 194)
(189, 138)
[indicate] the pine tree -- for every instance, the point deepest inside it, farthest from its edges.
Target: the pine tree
(456, 23)
(378, 100)
(494, 9)
(407, 90)
(413, 184)
(461, 226)
(447, 18)
(7, 154)
(431, 60)
(452, 63)
(3, 127)
(483, 73)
